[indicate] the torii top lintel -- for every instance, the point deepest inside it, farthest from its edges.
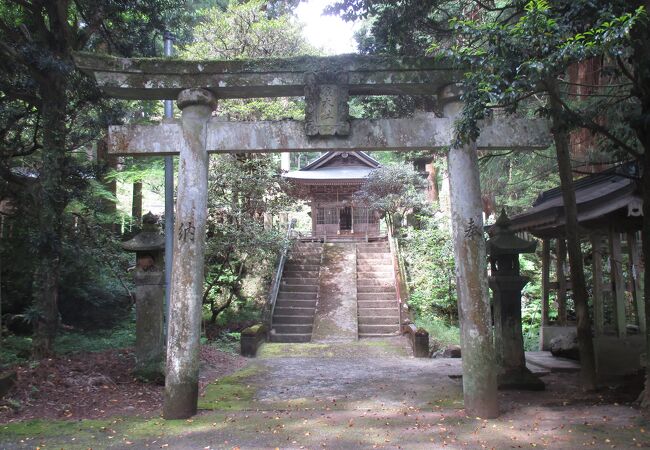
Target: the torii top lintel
(164, 78)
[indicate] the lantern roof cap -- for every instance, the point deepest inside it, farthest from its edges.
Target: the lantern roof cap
(149, 239)
(504, 241)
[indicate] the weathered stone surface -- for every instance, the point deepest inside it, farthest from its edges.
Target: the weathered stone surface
(251, 338)
(566, 346)
(149, 278)
(479, 365)
(326, 104)
(182, 372)
(421, 132)
(163, 78)
(336, 311)
(452, 351)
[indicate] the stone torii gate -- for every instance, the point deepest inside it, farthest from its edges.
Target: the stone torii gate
(326, 83)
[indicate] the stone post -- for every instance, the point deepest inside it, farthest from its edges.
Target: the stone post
(479, 367)
(506, 284)
(149, 278)
(181, 381)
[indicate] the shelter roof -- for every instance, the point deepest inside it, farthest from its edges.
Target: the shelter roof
(608, 198)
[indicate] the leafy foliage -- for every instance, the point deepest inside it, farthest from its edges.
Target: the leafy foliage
(429, 258)
(393, 190)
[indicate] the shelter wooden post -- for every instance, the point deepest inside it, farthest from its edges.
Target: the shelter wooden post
(597, 282)
(637, 286)
(546, 262)
(182, 376)
(479, 363)
(618, 283)
(561, 281)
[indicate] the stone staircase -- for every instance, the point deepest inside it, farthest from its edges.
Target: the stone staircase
(293, 317)
(377, 306)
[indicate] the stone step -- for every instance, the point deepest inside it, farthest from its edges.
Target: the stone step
(293, 267)
(378, 329)
(293, 320)
(300, 280)
(293, 328)
(293, 311)
(290, 287)
(306, 254)
(283, 295)
(374, 257)
(301, 274)
(377, 312)
(290, 337)
(365, 282)
(295, 304)
(363, 304)
(377, 335)
(367, 250)
(380, 276)
(377, 296)
(374, 268)
(380, 320)
(385, 289)
(303, 261)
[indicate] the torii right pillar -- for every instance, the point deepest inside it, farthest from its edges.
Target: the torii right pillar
(476, 339)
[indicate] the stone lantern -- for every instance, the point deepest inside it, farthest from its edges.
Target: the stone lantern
(504, 248)
(148, 246)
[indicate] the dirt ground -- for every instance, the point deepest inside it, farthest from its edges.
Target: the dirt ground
(96, 385)
(370, 394)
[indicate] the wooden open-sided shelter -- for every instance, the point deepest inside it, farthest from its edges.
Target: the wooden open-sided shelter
(610, 213)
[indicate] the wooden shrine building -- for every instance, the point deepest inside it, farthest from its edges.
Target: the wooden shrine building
(328, 184)
(610, 210)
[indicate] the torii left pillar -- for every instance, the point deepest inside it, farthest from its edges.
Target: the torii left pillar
(182, 371)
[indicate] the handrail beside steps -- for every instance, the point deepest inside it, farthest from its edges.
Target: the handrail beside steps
(275, 287)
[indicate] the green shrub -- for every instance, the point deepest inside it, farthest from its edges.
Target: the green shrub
(429, 258)
(15, 350)
(439, 330)
(121, 336)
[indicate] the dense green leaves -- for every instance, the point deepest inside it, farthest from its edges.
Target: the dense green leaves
(393, 190)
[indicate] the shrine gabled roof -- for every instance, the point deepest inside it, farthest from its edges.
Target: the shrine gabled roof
(325, 170)
(611, 196)
(321, 161)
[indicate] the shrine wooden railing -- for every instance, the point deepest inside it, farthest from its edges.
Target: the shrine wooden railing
(275, 287)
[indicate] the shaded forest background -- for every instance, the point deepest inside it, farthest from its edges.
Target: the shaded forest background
(583, 65)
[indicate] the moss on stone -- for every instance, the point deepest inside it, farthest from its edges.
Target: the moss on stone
(253, 330)
(232, 392)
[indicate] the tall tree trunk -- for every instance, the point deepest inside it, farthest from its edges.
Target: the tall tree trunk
(109, 162)
(579, 289)
(136, 207)
(434, 193)
(640, 61)
(52, 201)
(645, 242)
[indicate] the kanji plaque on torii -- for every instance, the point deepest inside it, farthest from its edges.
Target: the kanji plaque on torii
(326, 83)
